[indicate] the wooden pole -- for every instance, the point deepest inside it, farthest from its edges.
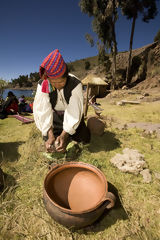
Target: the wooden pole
(86, 104)
(98, 90)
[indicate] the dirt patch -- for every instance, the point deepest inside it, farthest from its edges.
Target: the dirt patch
(151, 84)
(149, 128)
(134, 94)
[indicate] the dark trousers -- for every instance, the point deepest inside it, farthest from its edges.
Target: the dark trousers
(82, 133)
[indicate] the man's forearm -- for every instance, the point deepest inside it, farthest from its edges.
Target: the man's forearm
(64, 134)
(50, 134)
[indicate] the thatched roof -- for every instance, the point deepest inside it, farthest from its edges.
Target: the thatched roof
(93, 79)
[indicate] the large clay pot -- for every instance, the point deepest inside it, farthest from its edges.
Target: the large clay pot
(76, 194)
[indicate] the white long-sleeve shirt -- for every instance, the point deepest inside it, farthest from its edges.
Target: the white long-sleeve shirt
(43, 112)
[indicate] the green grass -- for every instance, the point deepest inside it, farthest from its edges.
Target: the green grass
(136, 215)
(144, 112)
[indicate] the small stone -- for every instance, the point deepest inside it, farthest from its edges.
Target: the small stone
(146, 94)
(120, 103)
(157, 175)
(158, 211)
(124, 87)
(147, 178)
(140, 97)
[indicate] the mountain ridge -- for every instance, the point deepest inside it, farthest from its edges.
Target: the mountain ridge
(145, 69)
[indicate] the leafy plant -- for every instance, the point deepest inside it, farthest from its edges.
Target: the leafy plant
(3, 85)
(131, 9)
(87, 65)
(104, 15)
(70, 67)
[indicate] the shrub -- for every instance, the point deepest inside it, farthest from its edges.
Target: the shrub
(70, 67)
(87, 65)
(155, 71)
(136, 62)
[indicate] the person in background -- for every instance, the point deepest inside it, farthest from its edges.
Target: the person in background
(22, 99)
(58, 105)
(31, 107)
(24, 106)
(10, 106)
(22, 103)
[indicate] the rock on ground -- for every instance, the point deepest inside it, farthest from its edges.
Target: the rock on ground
(147, 178)
(95, 125)
(132, 161)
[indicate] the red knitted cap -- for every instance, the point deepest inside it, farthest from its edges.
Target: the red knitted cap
(54, 65)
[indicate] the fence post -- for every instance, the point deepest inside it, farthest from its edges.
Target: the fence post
(86, 105)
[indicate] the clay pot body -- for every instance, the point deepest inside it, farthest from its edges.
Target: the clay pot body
(76, 194)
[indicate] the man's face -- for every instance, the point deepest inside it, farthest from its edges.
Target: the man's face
(58, 83)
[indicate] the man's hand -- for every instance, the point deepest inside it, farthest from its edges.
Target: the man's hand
(50, 142)
(61, 142)
(50, 146)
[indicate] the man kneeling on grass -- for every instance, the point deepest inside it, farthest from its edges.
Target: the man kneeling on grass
(58, 105)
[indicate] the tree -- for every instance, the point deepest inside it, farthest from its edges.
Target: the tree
(131, 9)
(112, 8)
(34, 76)
(89, 38)
(22, 80)
(104, 13)
(157, 37)
(70, 67)
(103, 58)
(3, 85)
(87, 65)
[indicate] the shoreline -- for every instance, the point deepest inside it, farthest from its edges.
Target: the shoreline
(22, 89)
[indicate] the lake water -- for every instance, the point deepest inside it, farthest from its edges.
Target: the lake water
(18, 93)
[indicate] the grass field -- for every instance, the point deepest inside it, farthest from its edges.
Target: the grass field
(136, 215)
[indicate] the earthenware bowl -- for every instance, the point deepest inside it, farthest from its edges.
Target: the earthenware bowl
(76, 194)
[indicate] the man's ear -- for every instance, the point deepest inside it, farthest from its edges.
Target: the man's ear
(45, 76)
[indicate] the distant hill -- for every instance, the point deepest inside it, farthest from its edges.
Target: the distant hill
(145, 67)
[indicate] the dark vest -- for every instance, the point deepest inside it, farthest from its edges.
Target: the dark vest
(71, 83)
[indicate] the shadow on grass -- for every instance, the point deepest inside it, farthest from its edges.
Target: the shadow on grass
(9, 184)
(109, 217)
(106, 142)
(9, 151)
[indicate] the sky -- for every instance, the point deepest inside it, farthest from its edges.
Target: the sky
(31, 29)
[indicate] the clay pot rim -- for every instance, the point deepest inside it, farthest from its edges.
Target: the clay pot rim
(85, 166)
